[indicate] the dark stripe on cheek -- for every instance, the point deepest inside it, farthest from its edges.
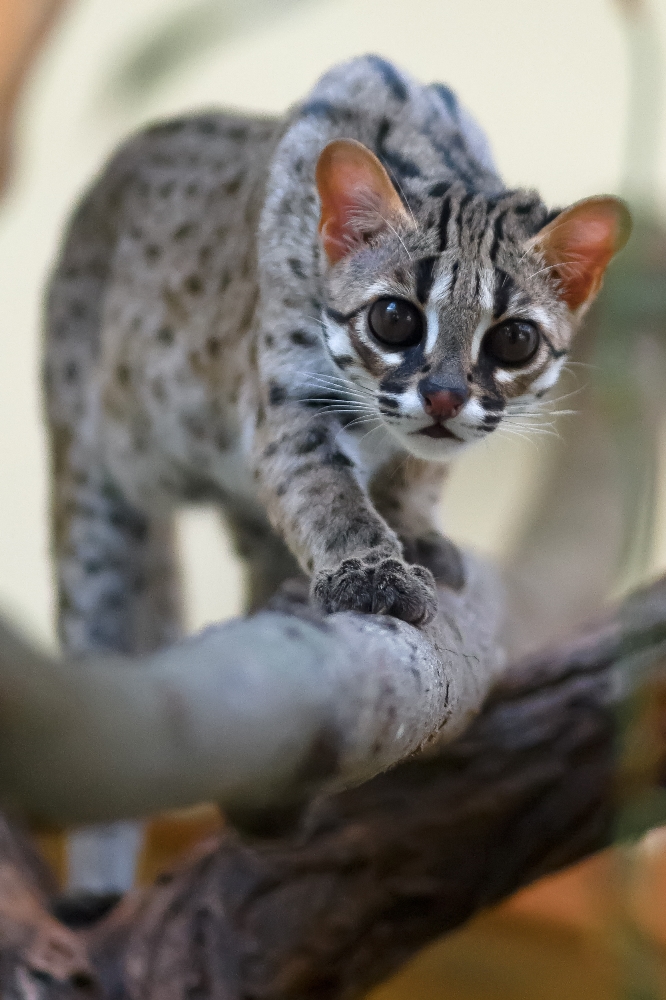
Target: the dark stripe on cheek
(343, 360)
(372, 362)
(424, 275)
(396, 379)
(276, 394)
(388, 402)
(504, 286)
(302, 338)
(554, 351)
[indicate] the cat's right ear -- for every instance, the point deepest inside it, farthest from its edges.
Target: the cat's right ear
(357, 197)
(579, 243)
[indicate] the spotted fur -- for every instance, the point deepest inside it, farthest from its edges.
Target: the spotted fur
(200, 348)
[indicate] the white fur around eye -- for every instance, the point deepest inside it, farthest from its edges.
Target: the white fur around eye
(338, 340)
(505, 376)
(543, 318)
(548, 378)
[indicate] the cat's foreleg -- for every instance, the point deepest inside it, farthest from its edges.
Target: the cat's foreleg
(407, 492)
(311, 489)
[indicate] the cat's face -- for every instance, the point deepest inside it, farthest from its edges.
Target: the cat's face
(451, 321)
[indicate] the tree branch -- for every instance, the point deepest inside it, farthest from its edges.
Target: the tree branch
(376, 872)
(257, 712)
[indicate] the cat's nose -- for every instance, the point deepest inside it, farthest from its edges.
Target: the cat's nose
(442, 403)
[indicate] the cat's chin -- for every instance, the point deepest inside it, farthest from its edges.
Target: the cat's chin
(433, 446)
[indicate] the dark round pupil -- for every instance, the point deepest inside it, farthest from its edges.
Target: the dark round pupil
(396, 322)
(513, 343)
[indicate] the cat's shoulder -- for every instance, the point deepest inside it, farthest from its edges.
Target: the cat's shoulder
(367, 97)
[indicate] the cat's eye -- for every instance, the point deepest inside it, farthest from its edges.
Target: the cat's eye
(396, 323)
(512, 343)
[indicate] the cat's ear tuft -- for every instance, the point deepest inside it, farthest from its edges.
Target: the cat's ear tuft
(357, 197)
(579, 244)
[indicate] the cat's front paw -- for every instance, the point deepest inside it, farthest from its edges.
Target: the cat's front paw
(389, 587)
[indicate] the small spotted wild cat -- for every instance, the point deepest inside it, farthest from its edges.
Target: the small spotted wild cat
(303, 320)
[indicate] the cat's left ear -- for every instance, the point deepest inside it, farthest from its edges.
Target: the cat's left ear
(357, 198)
(579, 244)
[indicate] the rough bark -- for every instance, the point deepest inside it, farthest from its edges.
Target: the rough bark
(374, 873)
(36, 951)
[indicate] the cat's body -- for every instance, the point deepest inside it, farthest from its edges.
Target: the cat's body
(208, 340)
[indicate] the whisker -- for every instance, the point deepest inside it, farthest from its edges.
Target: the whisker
(340, 384)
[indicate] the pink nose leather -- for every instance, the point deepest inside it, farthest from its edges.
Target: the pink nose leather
(443, 404)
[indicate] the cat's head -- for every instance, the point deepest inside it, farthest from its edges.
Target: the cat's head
(449, 317)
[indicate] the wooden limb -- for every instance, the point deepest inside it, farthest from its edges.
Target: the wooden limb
(253, 713)
(376, 872)
(36, 951)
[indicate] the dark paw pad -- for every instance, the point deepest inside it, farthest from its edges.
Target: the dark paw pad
(439, 555)
(388, 587)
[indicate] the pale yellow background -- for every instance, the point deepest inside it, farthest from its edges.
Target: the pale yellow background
(547, 80)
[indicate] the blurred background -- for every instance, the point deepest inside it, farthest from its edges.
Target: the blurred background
(569, 95)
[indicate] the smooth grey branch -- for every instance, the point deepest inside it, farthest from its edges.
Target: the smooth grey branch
(251, 713)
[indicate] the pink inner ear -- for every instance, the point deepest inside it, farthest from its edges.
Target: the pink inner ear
(347, 194)
(580, 243)
(356, 195)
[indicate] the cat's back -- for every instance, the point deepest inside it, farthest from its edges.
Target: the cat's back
(160, 235)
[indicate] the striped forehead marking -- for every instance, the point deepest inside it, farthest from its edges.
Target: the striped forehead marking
(441, 287)
(486, 284)
(482, 326)
(504, 291)
(432, 332)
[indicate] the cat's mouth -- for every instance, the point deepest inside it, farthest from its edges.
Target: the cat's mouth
(438, 431)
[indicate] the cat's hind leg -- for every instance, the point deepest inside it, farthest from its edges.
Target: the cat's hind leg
(115, 568)
(118, 592)
(117, 580)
